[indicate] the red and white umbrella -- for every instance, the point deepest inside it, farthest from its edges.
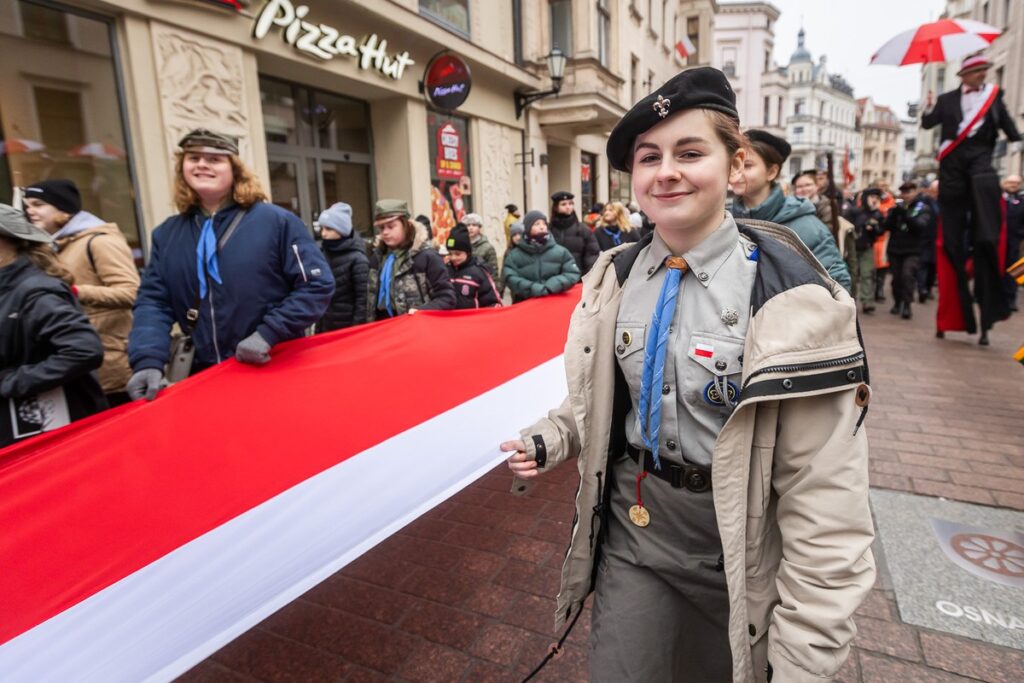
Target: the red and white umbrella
(946, 40)
(98, 150)
(20, 146)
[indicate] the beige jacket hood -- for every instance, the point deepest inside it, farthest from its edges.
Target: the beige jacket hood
(789, 468)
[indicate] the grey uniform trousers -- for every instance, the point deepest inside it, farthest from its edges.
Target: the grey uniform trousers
(661, 605)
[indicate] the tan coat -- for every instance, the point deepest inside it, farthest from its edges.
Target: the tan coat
(790, 477)
(107, 293)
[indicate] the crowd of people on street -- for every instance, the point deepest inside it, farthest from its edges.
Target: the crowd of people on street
(232, 275)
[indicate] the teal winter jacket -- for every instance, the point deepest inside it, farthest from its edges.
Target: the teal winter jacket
(533, 270)
(799, 216)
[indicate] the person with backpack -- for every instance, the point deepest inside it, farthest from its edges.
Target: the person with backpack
(101, 263)
(474, 287)
(716, 395)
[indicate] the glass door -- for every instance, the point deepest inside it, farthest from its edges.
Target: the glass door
(288, 187)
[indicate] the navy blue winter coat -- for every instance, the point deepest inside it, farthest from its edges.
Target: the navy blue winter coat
(276, 282)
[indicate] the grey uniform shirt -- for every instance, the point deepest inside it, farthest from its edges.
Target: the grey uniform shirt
(705, 344)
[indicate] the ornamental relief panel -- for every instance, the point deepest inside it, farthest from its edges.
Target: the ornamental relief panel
(497, 160)
(201, 85)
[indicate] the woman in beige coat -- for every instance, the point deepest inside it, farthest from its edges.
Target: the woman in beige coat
(106, 279)
(717, 389)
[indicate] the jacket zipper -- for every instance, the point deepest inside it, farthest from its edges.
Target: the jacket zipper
(298, 258)
(819, 365)
(213, 319)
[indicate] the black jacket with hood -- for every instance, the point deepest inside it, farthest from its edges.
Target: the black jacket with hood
(351, 269)
(576, 237)
(46, 342)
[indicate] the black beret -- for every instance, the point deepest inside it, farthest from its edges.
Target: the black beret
(872, 191)
(561, 195)
(908, 186)
(700, 88)
(777, 143)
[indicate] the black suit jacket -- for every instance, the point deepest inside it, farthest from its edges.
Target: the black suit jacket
(947, 112)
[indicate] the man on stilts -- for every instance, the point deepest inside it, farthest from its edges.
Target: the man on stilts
(972, 224)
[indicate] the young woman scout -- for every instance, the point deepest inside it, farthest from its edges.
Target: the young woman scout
(716, 387)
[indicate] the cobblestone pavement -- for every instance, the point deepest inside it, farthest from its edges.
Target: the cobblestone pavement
(466, 592)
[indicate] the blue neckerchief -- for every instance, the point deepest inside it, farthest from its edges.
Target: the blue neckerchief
(206, 257)
(616, 236)
(384, 291)
(654, 360)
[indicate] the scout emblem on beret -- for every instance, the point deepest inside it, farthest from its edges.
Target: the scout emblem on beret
(730, 316)
(661, 106)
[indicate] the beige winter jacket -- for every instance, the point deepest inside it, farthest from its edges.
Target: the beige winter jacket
(106, 291)
(790, 477)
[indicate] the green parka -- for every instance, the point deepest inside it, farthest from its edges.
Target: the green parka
(533, 270)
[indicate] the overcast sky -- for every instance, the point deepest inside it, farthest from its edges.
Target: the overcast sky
(848, 32)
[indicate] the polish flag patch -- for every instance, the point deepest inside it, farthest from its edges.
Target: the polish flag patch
(704, 350)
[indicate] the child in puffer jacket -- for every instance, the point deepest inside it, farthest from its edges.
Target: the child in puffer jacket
(474, 287)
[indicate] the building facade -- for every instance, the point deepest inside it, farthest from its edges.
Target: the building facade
(821, 114)
(744, 37)
(883, 143)
(328, 99)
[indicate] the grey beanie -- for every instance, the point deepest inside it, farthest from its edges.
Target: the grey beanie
(338, 218)
(473, 219)
(531, 218)
(516, 228)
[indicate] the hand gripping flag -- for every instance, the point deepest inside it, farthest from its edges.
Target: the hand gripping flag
(139, 541)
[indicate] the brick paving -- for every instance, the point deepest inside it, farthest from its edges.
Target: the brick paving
(466, 593)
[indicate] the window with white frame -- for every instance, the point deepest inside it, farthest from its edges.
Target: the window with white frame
(561, 25)
(604, 29)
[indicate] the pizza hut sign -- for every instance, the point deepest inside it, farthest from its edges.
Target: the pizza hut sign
(326, 42)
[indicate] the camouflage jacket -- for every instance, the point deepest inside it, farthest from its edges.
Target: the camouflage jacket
(419, 280)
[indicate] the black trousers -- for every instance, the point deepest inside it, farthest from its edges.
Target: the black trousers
(904, 276)
(969, 203)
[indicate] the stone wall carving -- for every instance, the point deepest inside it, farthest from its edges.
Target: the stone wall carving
(501, 182)
(201, 84)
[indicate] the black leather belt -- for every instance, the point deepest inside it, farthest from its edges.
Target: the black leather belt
(696, 478)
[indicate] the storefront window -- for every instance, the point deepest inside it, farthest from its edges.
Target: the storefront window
(453, 14)
(451, 192)
(588, 173)
(60, 114)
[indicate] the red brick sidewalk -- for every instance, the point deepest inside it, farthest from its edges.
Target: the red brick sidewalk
(466, 592)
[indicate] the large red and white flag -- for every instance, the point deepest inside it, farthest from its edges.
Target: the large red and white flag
(137, 542)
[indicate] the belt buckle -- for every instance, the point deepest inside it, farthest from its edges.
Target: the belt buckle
(696, 480)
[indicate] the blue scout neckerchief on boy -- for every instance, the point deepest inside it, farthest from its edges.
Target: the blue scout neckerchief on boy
(384, 289)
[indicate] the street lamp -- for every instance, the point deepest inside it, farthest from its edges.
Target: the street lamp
(556, 67)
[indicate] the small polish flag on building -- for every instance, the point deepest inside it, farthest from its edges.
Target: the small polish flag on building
(685, 48)
(704, 350)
